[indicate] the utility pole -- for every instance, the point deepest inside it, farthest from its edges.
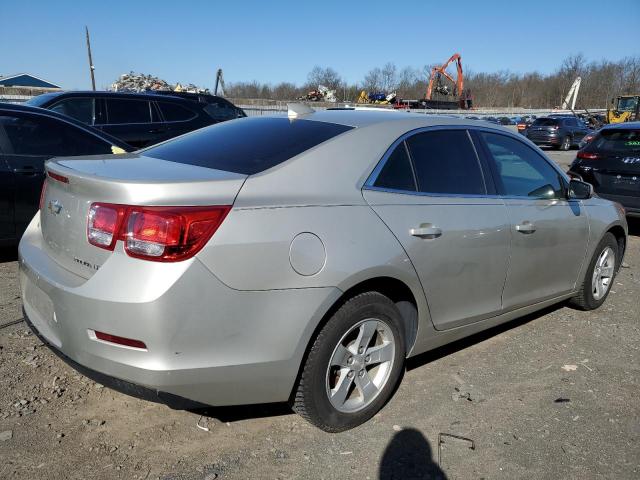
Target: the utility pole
(91, 67)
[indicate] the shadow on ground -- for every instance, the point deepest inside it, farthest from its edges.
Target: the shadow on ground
(634, 226)
(409, 456)
(8, 254)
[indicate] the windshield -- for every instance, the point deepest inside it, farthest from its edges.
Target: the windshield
(627, 104)
(545, 122)
(617, 140)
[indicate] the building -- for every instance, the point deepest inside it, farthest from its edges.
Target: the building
(23, 86)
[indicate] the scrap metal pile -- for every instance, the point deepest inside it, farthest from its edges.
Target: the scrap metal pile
(322, 94)
(138, 82)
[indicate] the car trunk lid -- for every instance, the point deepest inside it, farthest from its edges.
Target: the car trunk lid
(72, 185)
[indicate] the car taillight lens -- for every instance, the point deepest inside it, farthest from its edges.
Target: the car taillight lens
(166, 234)
(103, 225)
(588, 155)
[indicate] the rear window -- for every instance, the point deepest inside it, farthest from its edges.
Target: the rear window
(616, 140)
(246, 146)
(545, 122)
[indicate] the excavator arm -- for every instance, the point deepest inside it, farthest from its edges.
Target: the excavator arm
(442, 70)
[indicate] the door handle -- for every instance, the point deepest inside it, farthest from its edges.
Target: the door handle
(526, 227)
(157, 130)
(25, 171)
(426, 230)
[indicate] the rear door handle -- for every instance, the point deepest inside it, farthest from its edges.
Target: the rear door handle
(426, 230)
(25, 171)
(526, 227)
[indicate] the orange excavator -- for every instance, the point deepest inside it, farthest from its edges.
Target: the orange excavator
(437, 85)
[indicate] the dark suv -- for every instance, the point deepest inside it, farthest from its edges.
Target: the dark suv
(140, 119)
(557, 132)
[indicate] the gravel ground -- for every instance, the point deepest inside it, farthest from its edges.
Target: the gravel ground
(554, 395)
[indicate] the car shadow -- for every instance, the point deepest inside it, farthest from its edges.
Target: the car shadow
(634, 226)
(453, 347)
(409, 456)
(245, 412)
(8, 254)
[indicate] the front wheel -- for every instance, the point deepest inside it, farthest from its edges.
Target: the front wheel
(599, 276)
(354, 364)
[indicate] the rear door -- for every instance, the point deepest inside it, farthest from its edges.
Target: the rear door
(549, 233)
(7, 229)
(432, 193)
(134, 121)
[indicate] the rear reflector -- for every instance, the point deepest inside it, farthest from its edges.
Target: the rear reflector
(43, 192)
(127, 342)
(165, 234)
(588, 155)
(58, 177)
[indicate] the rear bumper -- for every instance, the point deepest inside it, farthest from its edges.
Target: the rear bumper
(205, 341)
(545, 140)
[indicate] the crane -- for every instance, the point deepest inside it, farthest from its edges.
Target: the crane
(438, 72)
(219, 83)
(573, 92)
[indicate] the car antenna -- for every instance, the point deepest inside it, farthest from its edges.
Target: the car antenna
(295, 110)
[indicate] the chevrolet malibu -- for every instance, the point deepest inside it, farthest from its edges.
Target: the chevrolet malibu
(304, 259)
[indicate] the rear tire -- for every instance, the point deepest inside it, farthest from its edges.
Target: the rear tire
(599, 276)
(566, 144)
(353, 365)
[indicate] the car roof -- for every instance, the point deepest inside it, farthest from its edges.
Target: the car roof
(107, 94)
(622, 125)
(14, 107)
(363, 117)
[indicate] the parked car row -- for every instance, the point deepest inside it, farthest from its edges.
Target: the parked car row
(68, 124)
(303, 260)
(141, 119)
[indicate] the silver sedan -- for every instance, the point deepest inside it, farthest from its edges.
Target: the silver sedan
(304, 259)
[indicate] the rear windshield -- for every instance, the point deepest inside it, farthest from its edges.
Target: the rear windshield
(246, 146)
(545, 122)
(616, 140)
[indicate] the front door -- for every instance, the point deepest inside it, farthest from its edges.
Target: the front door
(549, 233)
(432, 195)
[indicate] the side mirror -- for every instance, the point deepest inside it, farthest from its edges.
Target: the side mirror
(579, 190)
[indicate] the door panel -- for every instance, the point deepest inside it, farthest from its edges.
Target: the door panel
(546, 252)
(28, 174)
(7, 229)
(549, 234)
(463, 269)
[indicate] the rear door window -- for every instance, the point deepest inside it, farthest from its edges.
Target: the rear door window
(397, 172)
(82, 109)
(616, 140)
(446, 163)
(173, 112)
(246, 146)
(40, 136)
(127, 110)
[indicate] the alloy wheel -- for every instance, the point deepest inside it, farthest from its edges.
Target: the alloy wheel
(603, 273)
(360, 365)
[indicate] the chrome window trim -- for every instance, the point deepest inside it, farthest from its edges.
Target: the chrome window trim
(370, 182)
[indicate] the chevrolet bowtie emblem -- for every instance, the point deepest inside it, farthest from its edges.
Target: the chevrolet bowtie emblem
(54, 207)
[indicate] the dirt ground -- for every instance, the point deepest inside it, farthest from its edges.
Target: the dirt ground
(554, 395)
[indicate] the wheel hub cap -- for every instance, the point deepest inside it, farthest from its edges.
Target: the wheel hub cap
(603, 273)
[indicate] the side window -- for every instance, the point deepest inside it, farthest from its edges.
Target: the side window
(125, 110)
(521, 171)
(35, 135)
(82, 109)
(446, 163)
(221, 111)
(173, 112)
(397, 173)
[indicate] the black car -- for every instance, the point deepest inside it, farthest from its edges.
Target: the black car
(557, 131)
(141, 119)
(28, 137)
(611, 163)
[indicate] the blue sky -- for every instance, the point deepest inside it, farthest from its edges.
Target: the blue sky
(272, 41)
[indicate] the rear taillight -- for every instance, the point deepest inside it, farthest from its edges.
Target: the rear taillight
(587, 155)
(166, 234)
